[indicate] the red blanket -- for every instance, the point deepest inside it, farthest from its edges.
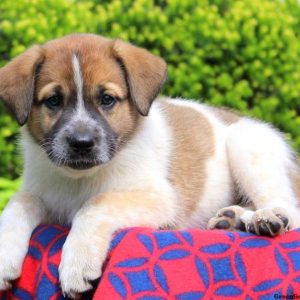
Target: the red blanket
(149, 265)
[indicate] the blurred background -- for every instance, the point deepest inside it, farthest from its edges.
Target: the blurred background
(241, 54)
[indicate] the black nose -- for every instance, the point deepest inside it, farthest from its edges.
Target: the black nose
(81, 143)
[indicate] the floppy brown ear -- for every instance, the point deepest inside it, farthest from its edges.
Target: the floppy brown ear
(17, 83)
(145, 73)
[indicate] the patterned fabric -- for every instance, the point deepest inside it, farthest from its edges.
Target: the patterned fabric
(144, 264)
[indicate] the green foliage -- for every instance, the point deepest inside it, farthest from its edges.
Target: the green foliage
(7, 189)
(242, 54)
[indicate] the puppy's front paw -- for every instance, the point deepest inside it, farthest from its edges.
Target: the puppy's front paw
(268, 222)
(81, 264)
(8, 273)
(11, 260)
(227, 218)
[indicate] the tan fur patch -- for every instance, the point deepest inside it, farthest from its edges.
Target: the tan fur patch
(193, 144)
(150, 208)
(115, 90)
(17, 81)
(146, 82)
(46, 91)
(41, 121)
(226, 115)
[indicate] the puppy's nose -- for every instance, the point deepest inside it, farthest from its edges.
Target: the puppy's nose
(81, 143)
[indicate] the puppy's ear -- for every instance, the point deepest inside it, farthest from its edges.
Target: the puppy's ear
(17, 80)
(145, 73)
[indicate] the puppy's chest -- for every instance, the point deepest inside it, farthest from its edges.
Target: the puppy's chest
(63, 198)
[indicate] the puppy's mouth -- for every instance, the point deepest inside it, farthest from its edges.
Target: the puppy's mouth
(64, 157)
(82, 164)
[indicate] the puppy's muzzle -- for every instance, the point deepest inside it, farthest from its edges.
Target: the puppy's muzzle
(82, 148)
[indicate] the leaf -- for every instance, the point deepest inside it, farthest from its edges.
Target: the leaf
(187, 237)
(190, 296)
(146, 241)
(290, 245)
(161, 278)
(117, 284)
(255, 243)
(202, 271)
(266, 285)
(174, 254)
(240, 267)
(215, 248)
(132, 262)
(228, 290)
(117, 239)
(281, 262)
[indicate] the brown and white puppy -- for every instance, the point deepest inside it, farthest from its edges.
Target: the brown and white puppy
(97, 157)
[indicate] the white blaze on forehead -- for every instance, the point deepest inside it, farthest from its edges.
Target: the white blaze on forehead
(80, 114)
(79, 84)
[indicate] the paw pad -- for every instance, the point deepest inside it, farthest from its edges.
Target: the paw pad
(229, 214)
(223, 224)
(226, 218)
(267, 222)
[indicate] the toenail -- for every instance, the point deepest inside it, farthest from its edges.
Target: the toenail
(284, 219)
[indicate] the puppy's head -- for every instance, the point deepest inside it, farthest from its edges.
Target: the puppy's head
(82, 96)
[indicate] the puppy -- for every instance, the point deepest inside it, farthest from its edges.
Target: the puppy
(97, 157)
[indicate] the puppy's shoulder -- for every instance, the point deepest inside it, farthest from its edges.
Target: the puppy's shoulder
(180, 112)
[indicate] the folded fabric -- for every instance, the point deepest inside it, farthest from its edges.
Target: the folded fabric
(145, 264)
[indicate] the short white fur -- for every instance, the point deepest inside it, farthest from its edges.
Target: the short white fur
(78, 80)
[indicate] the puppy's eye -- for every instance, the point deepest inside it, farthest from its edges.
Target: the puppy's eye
(107, 101)
(54, 102)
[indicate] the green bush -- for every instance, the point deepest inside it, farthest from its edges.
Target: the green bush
(7, 189)
(241, 54)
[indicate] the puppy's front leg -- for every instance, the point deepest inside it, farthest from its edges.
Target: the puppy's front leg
(23, 213)
(88, 242)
